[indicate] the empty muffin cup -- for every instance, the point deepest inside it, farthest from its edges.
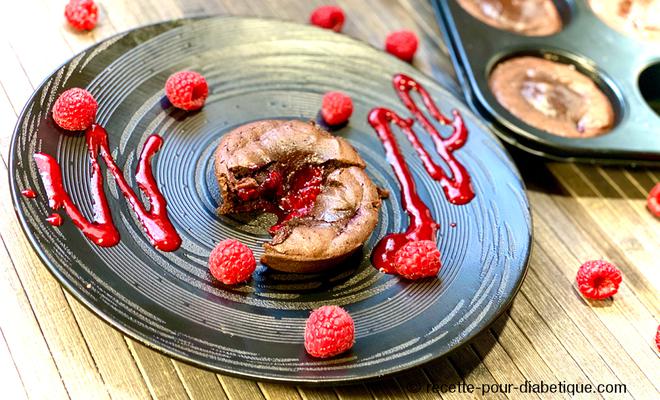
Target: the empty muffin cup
(551, 96)
(524, 17)
(649, 86)
(635, 18)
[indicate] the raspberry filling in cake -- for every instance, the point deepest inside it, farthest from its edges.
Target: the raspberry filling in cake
(282, 190)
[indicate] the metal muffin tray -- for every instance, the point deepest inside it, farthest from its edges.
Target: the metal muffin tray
(627, 70)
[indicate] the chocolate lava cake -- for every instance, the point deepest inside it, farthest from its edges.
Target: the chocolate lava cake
(315, 183)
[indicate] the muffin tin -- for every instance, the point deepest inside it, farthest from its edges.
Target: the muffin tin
(625, 69)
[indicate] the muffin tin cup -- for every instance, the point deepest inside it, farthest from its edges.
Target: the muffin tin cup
(613, 61)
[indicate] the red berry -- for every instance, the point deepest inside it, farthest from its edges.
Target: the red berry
(248, 193)
(329, 331)
(598, 279)
(328, 17)
(657, 338)
(653, 201)
(402, 44)
(303, 189)
(273, 182)
(75, 110)
(336, 108)
(82, 14)
(417, 259)
(232, 262)
(187, 90)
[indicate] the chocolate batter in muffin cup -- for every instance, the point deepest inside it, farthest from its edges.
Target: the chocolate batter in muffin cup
(525, 17)
(552, 96)
(636, 18)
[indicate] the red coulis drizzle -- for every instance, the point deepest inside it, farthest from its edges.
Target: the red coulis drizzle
(55, 219)
(29, 193)
(457, 188)
(102, 230)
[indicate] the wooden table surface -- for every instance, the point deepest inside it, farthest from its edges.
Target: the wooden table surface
(52, 347)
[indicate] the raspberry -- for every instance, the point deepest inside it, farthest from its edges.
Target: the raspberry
(402, 44)
(653, 201)
(231, 262)
(82, 14)
(328, 17)
(417, 259)
(336, 108)
(329, 331)
(657, 338)
(75, 110)
(187, 90)
(248, 193)
(598, 279)
(273, 182)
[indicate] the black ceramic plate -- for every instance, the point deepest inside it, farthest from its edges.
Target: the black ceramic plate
(626, 70)
(263, 69)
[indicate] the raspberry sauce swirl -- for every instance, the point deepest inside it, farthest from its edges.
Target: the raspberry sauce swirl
(102, 230)
(457, 187)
